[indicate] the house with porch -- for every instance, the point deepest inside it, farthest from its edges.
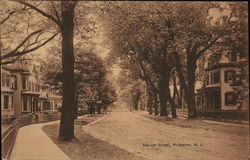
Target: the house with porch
(23, 93)
(222, 77)
(7, 94)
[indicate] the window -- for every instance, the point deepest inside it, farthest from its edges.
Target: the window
(25, 103)
(209, 63)
(214, 60)
(29, 85)
(31, 104)
(8, 81)
(230, 98)
(32, 86)
(12, 102)
(23, 82)
(55, 104)
(3, 78)
(14, 84)
(230, 76)
(6, 101)
(212, 78)
(234, 55)
(207, 79)
(216, 77)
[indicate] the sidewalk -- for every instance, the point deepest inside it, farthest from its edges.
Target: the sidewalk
(33, 144)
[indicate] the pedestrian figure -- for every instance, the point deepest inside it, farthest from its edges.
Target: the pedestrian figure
(89, 111)
(92, 110)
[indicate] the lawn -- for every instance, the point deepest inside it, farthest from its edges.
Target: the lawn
(87, 147)
(227, 128)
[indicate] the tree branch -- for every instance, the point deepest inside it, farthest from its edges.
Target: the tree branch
(199, 54)
(150, 63)
(14, 54)
(194, 48)
(23, 42)
(11, 13)
(179, 71)
(5, 19)
(146, 75)
(57, 15)
(36, 40)
(40, 11)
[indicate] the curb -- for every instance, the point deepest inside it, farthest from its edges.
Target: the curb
(95, 121)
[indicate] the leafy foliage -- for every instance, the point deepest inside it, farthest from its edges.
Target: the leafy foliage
(90, 75)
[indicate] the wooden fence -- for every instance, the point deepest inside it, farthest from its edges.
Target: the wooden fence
(9, 136)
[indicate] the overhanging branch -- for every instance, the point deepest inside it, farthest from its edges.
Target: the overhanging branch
(58, 22)
(5, 19)
(26, 39)
(206, 47)
(19, 53)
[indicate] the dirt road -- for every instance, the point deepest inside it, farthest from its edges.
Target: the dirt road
(158, 141)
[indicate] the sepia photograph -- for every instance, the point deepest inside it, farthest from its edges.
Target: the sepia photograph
(124, 80)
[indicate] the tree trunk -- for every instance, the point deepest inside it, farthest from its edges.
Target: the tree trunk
(156, 103)
(191, 67)
(149, 100)
(134, 102)
(99, 107)
(163, 98)
(188, 85)
(172, 103)
(179, 97)
(76, 104)
(171, 100)
(66, 131)
(135, 98)
(176, 94)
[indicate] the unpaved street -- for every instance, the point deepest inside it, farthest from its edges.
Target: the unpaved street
(157, 141)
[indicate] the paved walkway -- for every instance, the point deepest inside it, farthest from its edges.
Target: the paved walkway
(33, 144)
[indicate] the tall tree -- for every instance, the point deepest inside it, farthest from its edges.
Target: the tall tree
(197, 30)
(93, 88)
(65, 23)
(144, 46)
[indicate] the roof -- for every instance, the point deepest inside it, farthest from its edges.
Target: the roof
(224, 65)
(208, 88)
(30, 93)
(6, 90)
(14, 69)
